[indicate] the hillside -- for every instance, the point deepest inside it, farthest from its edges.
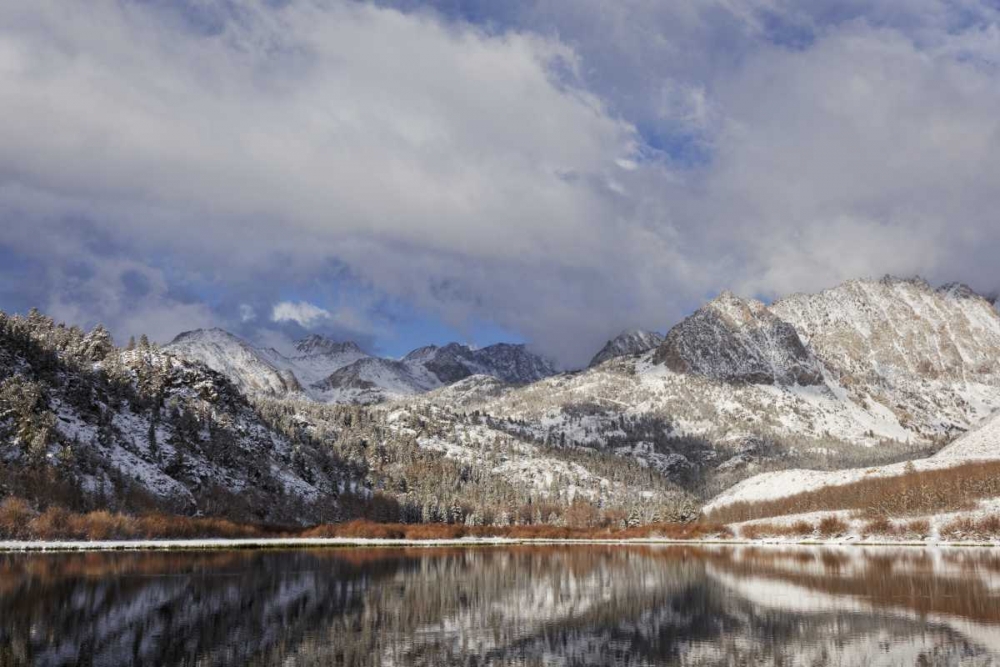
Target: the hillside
(953, 495)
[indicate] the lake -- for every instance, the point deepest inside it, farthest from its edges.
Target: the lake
(528, 605)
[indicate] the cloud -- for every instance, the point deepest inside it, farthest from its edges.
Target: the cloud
(247, 313)
(303, 313)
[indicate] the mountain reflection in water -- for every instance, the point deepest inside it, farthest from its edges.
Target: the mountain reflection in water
(573, 605)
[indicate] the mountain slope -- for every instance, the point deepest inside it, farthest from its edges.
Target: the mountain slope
(625, 344)
(87, 425)
(981, 442)
(870, 331)
(509, 363)
(372, 380)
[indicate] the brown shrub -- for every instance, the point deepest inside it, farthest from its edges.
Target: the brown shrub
(371, 530)
(915, 492)
(102, 525)
(802, 528)
(433, 531)
(17, 520)
(879, 526)
(756, 531)
(831, 526)
(968, 528)
(358, 528)
(917, 528)
(15, 515)
(52, 524)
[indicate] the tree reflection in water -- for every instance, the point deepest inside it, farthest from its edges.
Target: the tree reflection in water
(573, 605)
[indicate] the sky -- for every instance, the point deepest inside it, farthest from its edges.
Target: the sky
(540, 171)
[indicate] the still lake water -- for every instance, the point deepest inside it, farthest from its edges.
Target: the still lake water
(572, 605)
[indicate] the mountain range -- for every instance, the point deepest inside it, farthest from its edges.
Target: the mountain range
(340, 372)
(870, 372)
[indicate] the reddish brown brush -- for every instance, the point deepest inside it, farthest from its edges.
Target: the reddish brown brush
(883, 527)
(831, 526)
(756, 531)
(19, 521)
(436, 531)
(968, 528)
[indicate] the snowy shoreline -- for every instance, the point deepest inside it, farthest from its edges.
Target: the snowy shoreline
(328, 543)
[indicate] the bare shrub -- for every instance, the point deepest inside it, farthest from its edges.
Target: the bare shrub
(881, 527)
(756, 531)
(832, 526)
(52, 524)
(968, 528)
(916, 529)
(15, 514)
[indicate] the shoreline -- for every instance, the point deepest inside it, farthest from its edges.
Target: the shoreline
(263, 544)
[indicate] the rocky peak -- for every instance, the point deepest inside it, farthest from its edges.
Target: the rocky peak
(960, 291)
(315, 344)
(739, 340)
(513, 363)
(245, 366)
(421, 353)
(633, 341)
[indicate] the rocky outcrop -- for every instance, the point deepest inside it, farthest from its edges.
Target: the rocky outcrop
(741, 341)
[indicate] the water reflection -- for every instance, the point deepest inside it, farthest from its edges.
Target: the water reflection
(503, 606)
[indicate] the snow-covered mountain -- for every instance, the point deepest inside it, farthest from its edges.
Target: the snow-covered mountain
(982, 442)
(739, 340)
(633, 341)
(250, 369)
(854, 376)
(340, 372)
(513, 364)
(373, 380)
(315, 358)
(265, 370)
(876, 331)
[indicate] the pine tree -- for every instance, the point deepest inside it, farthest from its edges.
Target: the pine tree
(154, 447)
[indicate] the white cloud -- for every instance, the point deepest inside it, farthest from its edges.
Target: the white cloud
(302, 312)
(247, 313)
